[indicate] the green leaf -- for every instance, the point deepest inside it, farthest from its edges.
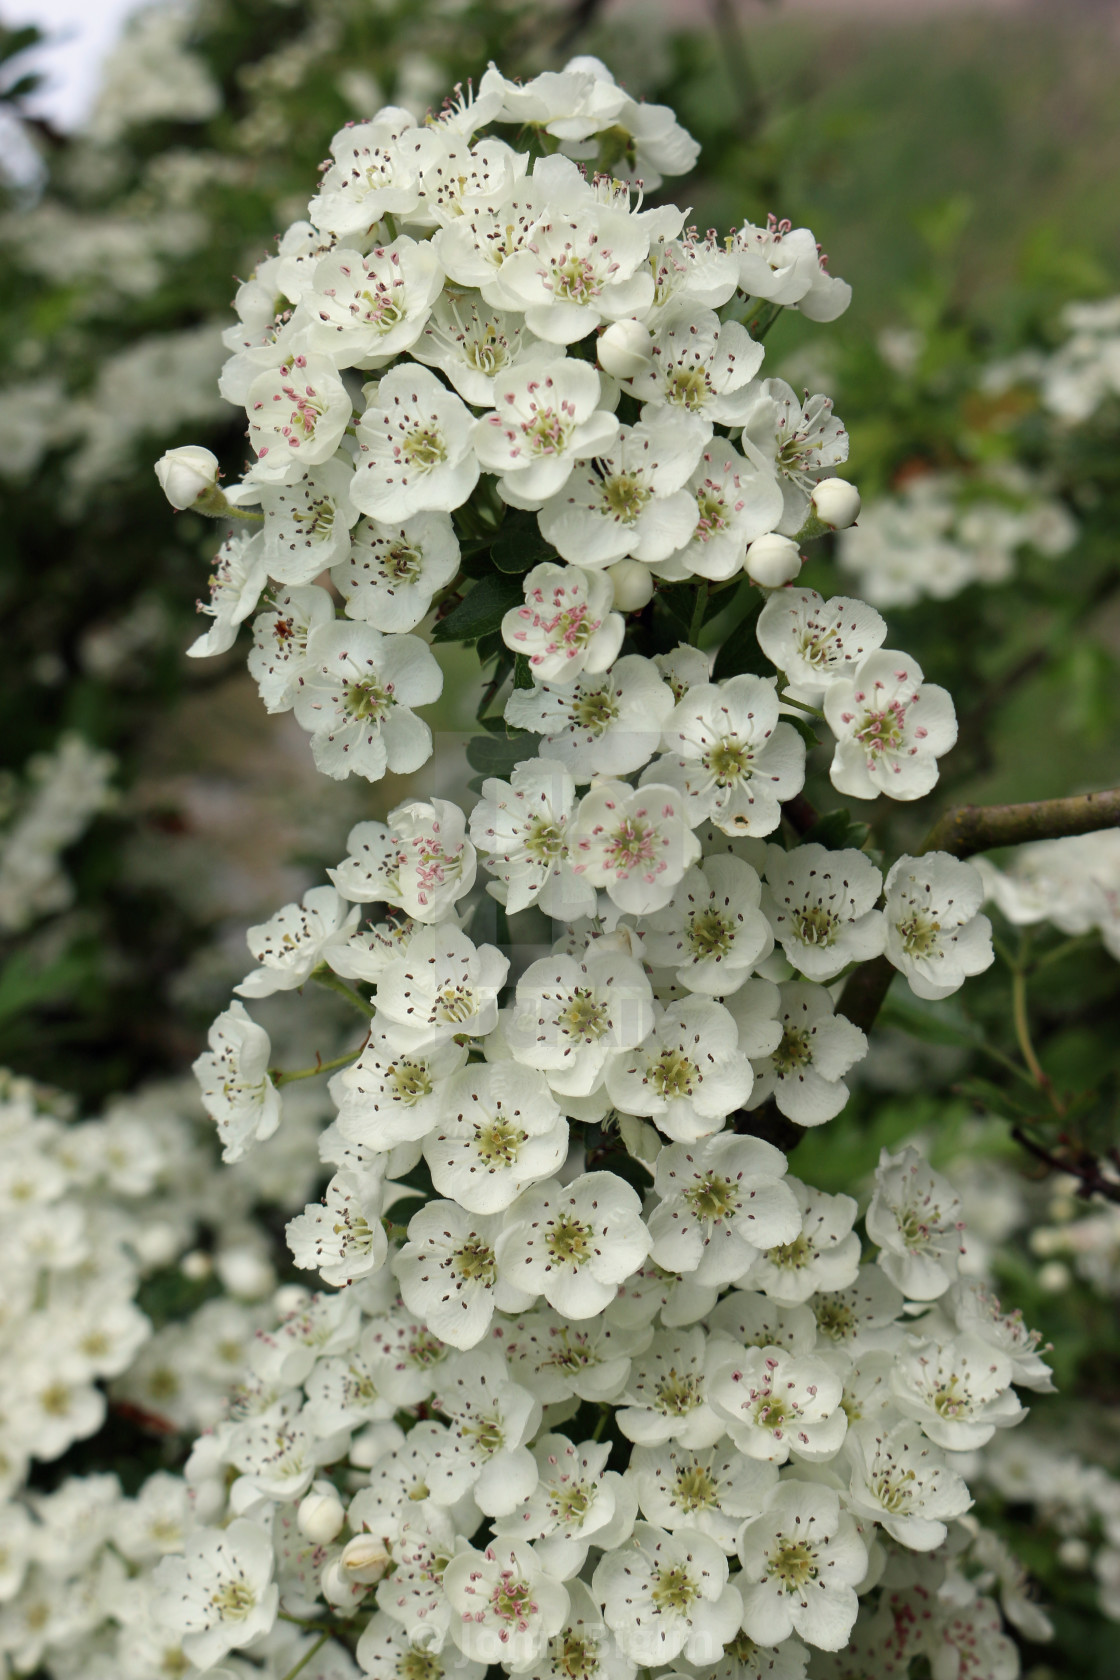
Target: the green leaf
(804, 727)
(481, 611)
(519, 546)
(678, 603)
(943, 1022)
(496, 755)
(522, 672)
(741, 653)
(837, 831)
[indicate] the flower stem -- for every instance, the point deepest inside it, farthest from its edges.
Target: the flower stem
(698, 616)
(306, 1658)
(802, 706)
(284, 1076)
(324, 977)
(967, 829)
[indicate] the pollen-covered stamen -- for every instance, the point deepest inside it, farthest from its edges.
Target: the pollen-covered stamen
(570, 1241)
(410, 1080)
(624, 497)
(793, 1565)
(696, 1488)
(816, 924)
(368, 700)
(712, 1197)
(679, 1393)
(498, 1142)
(632, 844)
(595, 711)
(709, 934)
(456, 1004)
(794, 1052)
(883, 731)
(673, 1590)
(475, 1263)
(673, 1074)
(422, 448)
(512, 1601)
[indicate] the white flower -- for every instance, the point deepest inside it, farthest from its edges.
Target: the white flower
(777, 1403)
(414, 448)
(802, 1559)
(566, 625)
(821, 907)
(823, 1255)
(728, 753)
(472, 344)
(583, 1645)
(443, 986)
(935, 934)
(240, 572)
(500, 1131)
(777, 262)
(386, 1652)
(720, 1201)
(666, 1393)
(448, 1273)
(977, 1312)
(307, 523)
(816, 642)
(186, 473)
(915, 1217)
(630, 500)
(959, 1391)
(664, 1594)
(357, 696)
(413, 1594)
(374, 171)
(237, 1092)
(584, 266)
(279, 1451)
(574, 1244)
(712, 932)
(505, 1606)
(365, 310)
(219, 1594)
(804, 441)
(605, 725)
(737, 500)
(421, 861)
(706, 1488)
(298, 413)
(688, 1075)
(805, 1072)
(545, 418)
(391, 1096)
(577, 1503)
(571, 1016)
(901, 1482)
(522, 829)
(296, 940)
(490, 1420)
(862, 1316)
(635, 842)
(392, 571)
(890, 727)
(278, 662)
(342, 1237)
(700, 368)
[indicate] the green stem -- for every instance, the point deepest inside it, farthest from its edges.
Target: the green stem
(1078, 943)
(604, 1414)
(788, 700)
(306, 1658)
(284, 1076)
(698, 615)
(324, 977)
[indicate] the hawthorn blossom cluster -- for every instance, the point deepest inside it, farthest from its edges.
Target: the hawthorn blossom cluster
(595, 1383)
(461, 330)
(938, 532)
(63, 791)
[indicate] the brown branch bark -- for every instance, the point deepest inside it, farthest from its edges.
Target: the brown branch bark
(968, 829)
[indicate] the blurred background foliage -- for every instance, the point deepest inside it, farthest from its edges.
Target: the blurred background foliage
(961, 174)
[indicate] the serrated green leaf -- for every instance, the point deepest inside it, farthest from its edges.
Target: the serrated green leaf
(481, 611)
(496, 755)
(519, 546)
(837, 831)
(740, 654)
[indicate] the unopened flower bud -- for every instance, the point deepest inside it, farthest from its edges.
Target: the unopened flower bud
(337, 1587)
(773, 560)
(196, 1266)
(244, 1273)
(364, 1558)
(624, 349)
(836, 503)
(320, 1517)
(633, 585)
(186, 474)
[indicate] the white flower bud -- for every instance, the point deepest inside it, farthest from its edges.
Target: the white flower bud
(186, 474)
(320, 1516)
(773, 560)
(364, 1558)
(197, 1265)
(1054, 1277)
(337, 1587)
(836, 503)
(624, 349)
(633, 585)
